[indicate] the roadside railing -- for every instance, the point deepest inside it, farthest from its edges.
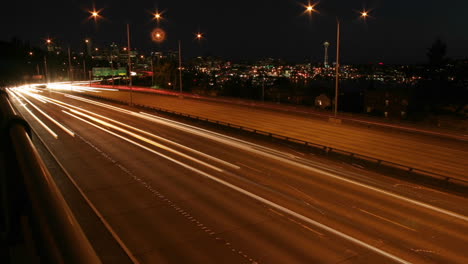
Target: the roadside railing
(29, 190)
(322, 148)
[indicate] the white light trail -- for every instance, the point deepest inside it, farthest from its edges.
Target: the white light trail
(258, 198)
(68, 131)
(42, 123)
(149, 141)
(77, 88)
(269, 153)
(70, 107)
(248, 147)
(17, 99)
(35, 96)
(134, 142)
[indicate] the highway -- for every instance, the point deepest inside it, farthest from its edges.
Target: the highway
(441, 156)
(172, 192)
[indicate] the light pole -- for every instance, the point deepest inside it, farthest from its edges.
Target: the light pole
(180, 67)
(152, 70)
(364, 14)
(129, 65)
(46, 72)
(70, 76)
(158, 35)
(337, 70)
(158, 16)
(84, 67)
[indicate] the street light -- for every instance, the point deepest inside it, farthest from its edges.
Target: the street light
(158, 16)
(364, 14)
(129, 64)
(94, 14)
(310, 8)
(46, 73)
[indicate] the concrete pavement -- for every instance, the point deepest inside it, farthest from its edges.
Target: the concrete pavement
(424, 152)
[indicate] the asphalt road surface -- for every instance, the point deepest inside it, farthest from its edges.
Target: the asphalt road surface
(425, 152)
(175, 193)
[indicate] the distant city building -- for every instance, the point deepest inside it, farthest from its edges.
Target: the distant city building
(326, 45)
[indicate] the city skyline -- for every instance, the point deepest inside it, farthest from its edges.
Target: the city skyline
(396, 32)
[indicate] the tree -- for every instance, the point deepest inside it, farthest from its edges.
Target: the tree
(436, 53)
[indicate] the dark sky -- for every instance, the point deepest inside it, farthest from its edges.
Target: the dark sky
(400, 31)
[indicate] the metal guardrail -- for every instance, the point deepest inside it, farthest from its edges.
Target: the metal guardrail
(325, 149)
(60, 237)
(349, 118)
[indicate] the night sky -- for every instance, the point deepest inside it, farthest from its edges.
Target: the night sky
(400, 31)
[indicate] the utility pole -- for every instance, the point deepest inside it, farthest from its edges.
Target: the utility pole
(263, 89)
(70, 77)
(45, 69)
(129, 65)
(180, 68)
(84, 67)
(337, 81)
(152, 71)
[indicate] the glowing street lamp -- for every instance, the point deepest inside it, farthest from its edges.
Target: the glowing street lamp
(157, 16)
(158, 35)
(364, 14)
(95, 14)
(310, 8)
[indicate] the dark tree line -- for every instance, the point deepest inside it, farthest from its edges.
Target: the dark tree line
(443, 89)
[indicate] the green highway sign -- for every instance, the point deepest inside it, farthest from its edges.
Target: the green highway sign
(108, 72)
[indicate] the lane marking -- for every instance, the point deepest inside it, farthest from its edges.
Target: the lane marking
(213, 135)
(222, 138)
(310, 197)
(256, 197)
(388, 220)
(276, 212)
(149, 134)
(41, 123)
(306, 227)
(181, 211)
(149, 141)
(68, 131)
(236, 142)
(93, 207)
(292, 220)
(10, 92)
(249, 167)
(133, 142)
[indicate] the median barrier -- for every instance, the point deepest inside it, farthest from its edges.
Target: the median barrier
(311, 145)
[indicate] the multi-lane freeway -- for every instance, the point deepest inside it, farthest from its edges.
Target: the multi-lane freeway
(421, 151)
(172, 192)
